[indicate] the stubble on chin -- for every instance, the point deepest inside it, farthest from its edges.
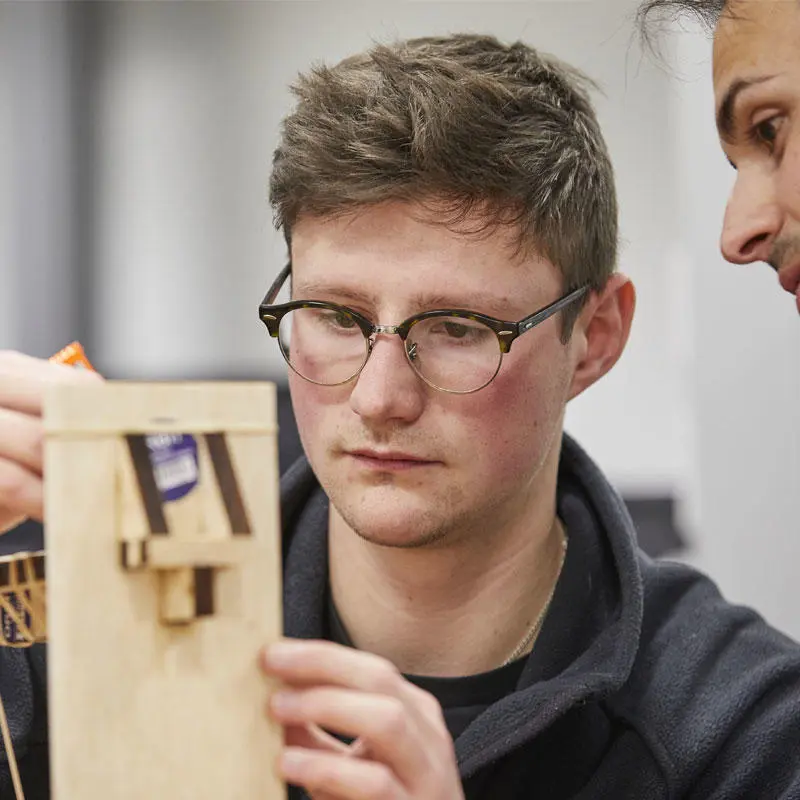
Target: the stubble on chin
(394, 526)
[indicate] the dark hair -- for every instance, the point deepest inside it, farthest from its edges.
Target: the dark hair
(469, 128)
(706, 11)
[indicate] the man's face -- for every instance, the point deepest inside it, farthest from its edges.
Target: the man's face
(757, 89)
(464, 465)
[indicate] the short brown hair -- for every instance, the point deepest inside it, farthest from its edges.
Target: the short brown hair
(461, 124)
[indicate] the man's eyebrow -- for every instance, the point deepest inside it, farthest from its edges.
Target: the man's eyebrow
(487, 304)
(419, 300)
(728, 105)
(307, 291)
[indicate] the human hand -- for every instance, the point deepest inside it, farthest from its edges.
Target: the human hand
(23, 381)
(402, 748)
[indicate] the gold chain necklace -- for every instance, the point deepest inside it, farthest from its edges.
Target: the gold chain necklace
(530, 637)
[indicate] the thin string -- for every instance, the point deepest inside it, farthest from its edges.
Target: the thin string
(10, 754)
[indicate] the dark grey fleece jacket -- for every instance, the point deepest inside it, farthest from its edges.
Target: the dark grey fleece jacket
(644, 683)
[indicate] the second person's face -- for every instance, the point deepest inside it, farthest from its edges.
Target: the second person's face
(757, 90)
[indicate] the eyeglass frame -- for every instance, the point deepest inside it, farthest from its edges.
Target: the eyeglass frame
(272, 314)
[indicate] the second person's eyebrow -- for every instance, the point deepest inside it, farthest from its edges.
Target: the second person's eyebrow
(727, 108)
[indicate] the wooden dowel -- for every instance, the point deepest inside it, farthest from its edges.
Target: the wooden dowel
(10, 754)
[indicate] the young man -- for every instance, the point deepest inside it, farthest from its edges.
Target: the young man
(467, 611)
(757, 91)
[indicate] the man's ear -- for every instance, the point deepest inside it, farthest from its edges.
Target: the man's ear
(601, 331)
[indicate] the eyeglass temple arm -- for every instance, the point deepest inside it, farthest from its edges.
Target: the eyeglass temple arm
(553, 308)
(273, 290)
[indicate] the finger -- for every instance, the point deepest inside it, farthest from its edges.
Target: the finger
(9, 520)
(312, 663)
(312, 737)
(428, 707)
(23, 380)
(342, 777)
(21, 494)
(383, 723)
(305, 663)
(358, 748)
(21, 439)
(318, 794)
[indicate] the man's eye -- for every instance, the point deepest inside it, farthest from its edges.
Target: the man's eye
(456, 330)
(766, 132)
(343, 320)
(337, 320)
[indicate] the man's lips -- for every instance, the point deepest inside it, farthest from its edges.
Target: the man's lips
(389, 459)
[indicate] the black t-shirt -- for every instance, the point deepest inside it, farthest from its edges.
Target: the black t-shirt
(461, 699)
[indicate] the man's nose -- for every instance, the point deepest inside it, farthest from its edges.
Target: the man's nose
(388, 388)
(753, 220)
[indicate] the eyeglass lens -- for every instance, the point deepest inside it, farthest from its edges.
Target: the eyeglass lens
(328, 347)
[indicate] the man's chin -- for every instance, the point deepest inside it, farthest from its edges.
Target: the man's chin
(395, 511)
(394, 525)
(399, 540)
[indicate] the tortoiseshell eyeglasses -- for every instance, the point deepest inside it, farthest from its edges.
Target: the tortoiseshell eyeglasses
(452, 350)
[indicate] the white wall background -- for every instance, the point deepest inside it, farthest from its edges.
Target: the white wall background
(35, 175)
(744, 378)
(185, 104)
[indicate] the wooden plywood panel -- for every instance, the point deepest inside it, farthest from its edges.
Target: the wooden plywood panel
(140, 709)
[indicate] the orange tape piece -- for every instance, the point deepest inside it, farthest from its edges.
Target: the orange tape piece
(73, 355)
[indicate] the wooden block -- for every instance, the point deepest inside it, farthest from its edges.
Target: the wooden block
(138, 708)
(171, 553)
(145, 408)
(176, 597)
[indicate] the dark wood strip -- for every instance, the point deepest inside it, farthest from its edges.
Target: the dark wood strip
(228, 484)
(151, 496)
(39, 566)
(127, 550)
(203, 591)
(123, 555)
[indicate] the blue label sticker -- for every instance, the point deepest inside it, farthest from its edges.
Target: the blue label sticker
(175, 465)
